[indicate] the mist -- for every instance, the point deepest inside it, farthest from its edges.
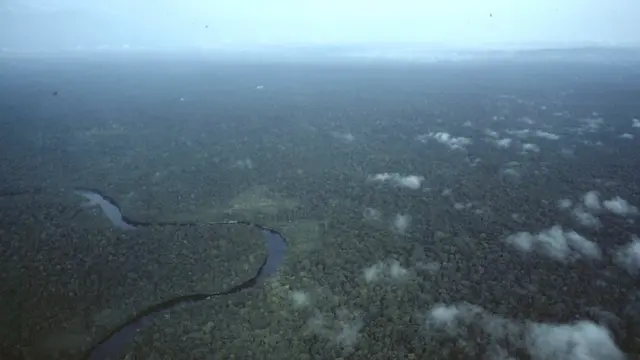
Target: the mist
(118, 24)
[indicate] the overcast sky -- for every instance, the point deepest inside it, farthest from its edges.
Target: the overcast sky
(89, 23)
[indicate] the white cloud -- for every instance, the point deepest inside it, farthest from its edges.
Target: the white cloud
(344, 136)
(592, 200)
(627, 136)
(373, 272)
(455, 143)
(590, 125)
(461, 206)
(586, 218)
(410, 181)
(519, 133)
(628, 256)
(565, 203)
(401, 223)
(300, 299)
(349, 333)
(584, 213)
(620, 206)
(241, 164)
(556, 243)
(528, 147)
(582, 245)
(492, 133)
(580, 340)
(547, 135)
(386, 270)
(341, 328)
(511, 173)
(396, 271)
(591, 204)
(526, 119)
(503, 143)
(443, 315)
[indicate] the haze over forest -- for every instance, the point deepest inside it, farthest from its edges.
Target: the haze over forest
(47, 25)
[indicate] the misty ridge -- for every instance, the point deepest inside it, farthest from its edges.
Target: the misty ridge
(353, 52)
